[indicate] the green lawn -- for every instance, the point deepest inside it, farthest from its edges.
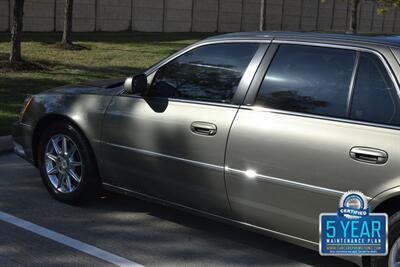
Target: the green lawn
(109, 55)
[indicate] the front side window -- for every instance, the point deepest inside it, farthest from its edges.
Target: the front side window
(308, 79)
(209, 73)
(375, 97)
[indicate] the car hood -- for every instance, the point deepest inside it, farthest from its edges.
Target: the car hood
(99, 87)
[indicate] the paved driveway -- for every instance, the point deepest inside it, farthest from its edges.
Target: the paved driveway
(148, 234)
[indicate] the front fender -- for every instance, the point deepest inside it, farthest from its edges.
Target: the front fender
(85, 111)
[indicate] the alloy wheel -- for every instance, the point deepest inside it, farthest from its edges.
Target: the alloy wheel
(63, 163)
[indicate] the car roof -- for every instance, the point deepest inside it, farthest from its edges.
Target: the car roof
(388, 40)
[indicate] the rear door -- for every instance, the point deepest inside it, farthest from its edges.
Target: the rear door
(322, 120)
(170, 142)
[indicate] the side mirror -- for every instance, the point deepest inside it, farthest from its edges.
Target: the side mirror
(136, 85)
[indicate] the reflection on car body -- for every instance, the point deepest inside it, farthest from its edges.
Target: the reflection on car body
(256, 129)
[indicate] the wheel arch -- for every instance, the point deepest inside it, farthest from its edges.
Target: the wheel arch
(49, 119)
(387, 202)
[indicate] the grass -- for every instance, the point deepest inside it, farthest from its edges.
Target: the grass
(108, 55)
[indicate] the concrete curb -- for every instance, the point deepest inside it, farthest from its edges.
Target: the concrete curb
(6, 143)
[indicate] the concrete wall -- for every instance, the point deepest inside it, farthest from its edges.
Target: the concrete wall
(250, 19)
(39, 14)
(178, 15)
(148, 15)
(310, 15)
(84, 15)
(200, 15)
(205, 15)
(4, 15)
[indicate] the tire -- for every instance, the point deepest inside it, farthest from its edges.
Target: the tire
(393, 235)
(76, 191)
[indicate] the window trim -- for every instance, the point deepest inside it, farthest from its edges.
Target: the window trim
(321, 117)
(245, 81)
(249, 102)
(352, 85)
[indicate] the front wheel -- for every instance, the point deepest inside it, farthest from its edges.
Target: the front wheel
(66, 164)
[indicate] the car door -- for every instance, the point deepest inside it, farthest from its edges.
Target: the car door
(170, 142)
(319, 122)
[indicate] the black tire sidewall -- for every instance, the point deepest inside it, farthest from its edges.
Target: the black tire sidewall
(393, 235)
(89, 182)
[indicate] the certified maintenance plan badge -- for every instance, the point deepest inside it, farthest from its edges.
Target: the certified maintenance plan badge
(353, 230)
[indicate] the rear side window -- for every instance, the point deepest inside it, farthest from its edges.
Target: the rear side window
(308, 79)
(375, 97)
(209, 73)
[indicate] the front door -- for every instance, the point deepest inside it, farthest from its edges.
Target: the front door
(170, 142)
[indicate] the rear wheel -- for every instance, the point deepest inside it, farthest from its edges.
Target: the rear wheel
(66, 164)
(393, 258)
(394, 255)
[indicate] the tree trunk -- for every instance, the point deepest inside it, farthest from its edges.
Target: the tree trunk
(67, 38)
(262, 16)
(16, 31)
(354, 16)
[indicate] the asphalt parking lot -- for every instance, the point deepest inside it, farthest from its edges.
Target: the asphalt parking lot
(135, 230)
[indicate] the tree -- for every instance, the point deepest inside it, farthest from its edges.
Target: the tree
(67, 38)
(262, 15)
(16, 31)
(354, 16)
(384, 5)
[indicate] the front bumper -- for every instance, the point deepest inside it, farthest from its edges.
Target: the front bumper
(22, 138)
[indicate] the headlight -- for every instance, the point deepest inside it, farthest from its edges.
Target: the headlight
(27, 103)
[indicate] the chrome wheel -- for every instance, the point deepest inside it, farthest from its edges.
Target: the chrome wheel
(63, 163)
(394, 255)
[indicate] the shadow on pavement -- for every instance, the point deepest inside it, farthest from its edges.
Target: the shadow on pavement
(151, 234)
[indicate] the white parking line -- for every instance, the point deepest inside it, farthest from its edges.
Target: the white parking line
(67, 241)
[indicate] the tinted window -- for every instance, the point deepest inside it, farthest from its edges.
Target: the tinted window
(375, 98)
(209, 73)
(308, 79)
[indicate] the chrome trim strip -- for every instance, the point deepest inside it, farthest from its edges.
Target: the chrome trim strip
(173, 204)
(216, 104)
(187, 101)
(307, 187)
(313, 116)
(160, 155)
(277, 40)
(25, 125)
(294, 184)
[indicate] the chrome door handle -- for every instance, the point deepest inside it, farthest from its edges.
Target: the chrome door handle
(203, 128)
(369, 155)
